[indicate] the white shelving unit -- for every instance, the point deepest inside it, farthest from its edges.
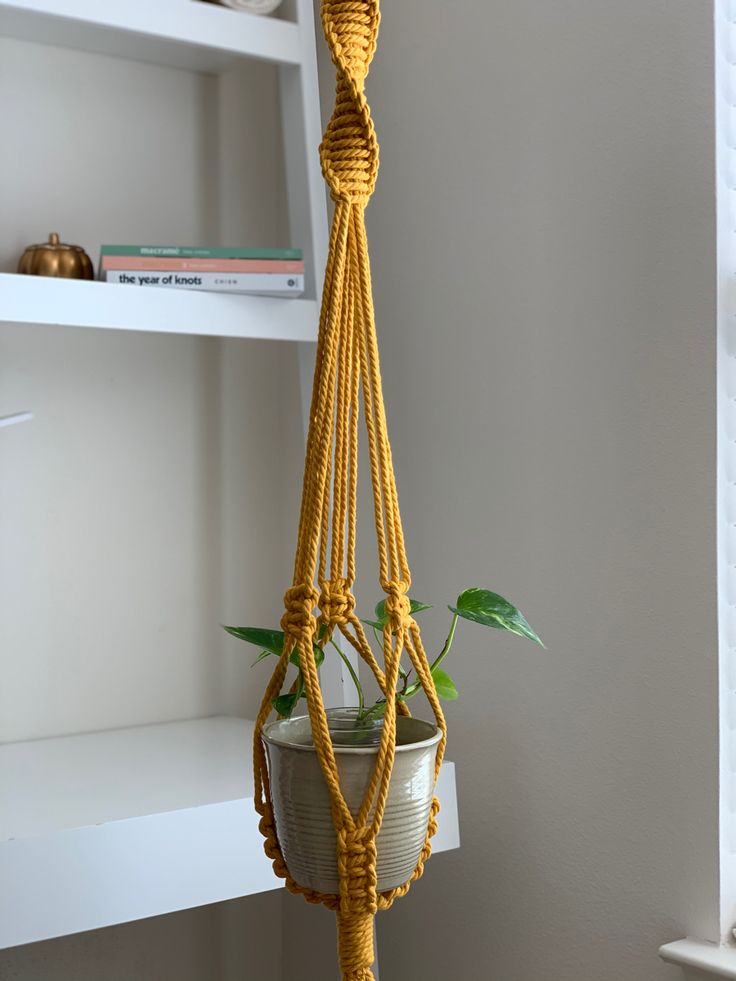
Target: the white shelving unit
(201, 37)
(177, 33)
(78, 303)
(115, 826)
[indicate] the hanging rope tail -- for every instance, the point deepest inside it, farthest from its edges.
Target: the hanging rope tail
(347, 371)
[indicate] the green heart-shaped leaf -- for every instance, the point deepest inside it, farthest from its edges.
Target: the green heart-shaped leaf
(445, 685)
(492, 610)
(271, 642)
(285, 704)
(261, 657)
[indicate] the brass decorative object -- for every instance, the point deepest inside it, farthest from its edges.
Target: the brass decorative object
(55, 258)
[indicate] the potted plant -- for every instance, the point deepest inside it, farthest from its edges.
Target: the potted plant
(300, 798)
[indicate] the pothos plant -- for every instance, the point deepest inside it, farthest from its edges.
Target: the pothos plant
(478, 605)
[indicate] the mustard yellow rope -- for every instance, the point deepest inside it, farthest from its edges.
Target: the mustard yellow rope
(347, 364)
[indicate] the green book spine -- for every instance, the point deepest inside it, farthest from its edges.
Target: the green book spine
(197, 252)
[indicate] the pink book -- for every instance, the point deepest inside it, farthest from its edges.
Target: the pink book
(133, 262)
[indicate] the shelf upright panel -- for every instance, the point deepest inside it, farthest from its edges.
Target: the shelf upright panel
(302, 133)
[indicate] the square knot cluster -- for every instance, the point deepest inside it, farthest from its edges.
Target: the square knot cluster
(336, 602)
(398, 605)
(298, 620)
(356, 863)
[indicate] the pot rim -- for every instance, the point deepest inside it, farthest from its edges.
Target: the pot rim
(272, 740)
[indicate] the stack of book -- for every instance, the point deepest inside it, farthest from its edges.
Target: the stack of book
(263, 272)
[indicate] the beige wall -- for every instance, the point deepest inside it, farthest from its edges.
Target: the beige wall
(543, 251)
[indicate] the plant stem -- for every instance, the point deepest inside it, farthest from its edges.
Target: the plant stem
(353, 675)
(448, 644)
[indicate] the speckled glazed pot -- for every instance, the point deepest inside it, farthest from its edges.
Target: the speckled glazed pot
(301, 802)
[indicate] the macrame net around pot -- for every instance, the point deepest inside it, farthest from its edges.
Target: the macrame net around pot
(320, 600)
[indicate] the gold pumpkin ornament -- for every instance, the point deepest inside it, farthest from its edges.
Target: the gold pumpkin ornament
(55, 258)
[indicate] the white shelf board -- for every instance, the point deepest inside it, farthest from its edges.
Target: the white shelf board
(699, 959)
(109, 827)
(179, 33)
(87, 303)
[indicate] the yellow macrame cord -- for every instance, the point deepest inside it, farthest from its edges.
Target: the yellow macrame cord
(347, 367)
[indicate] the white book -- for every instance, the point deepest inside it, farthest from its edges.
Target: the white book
(263, 284)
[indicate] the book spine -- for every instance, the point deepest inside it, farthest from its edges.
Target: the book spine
(160, 264)
(279, 283)
(200, 252)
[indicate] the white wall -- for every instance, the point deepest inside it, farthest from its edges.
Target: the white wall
(543, 250)
(128, 507)
(141, 507)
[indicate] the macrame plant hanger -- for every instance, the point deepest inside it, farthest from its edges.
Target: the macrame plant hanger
(347, 372)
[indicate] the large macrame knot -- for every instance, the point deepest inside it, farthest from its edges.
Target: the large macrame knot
(299, 620)
(398, 605)
(349, 149)
(336, 602)
(356, 863)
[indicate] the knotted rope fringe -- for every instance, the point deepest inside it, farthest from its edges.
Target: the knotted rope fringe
(347, 366)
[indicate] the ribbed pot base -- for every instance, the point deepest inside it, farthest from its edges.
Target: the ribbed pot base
(301, 801)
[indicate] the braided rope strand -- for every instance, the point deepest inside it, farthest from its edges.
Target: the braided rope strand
(347, 366)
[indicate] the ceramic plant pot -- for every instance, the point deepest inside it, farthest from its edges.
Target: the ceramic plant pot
(301, 801)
